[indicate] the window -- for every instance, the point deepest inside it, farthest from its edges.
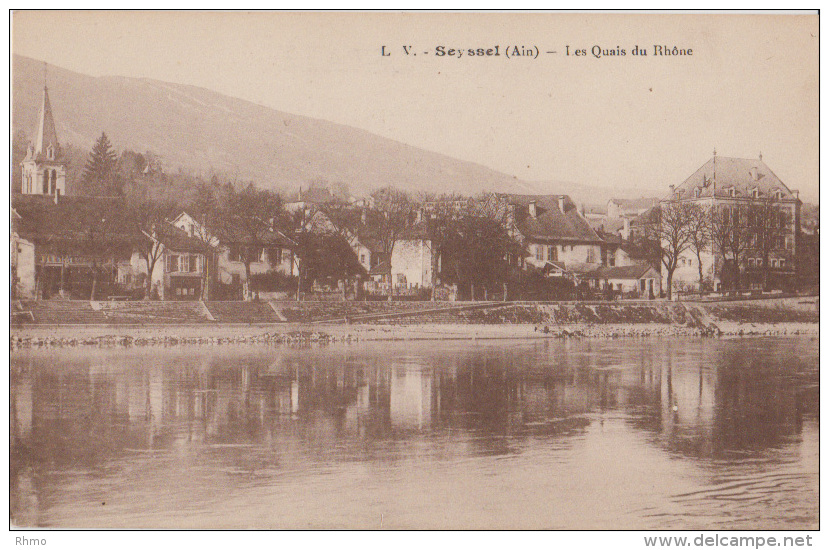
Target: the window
(275, 255)
(539, 252)
(362, 258)
(782, 263)
(697, 192)
(194, 264)
(778, 194)
(234, 253)
(774, 263)
(591, 255)
(172, 263)
(732, 192)
(552, 253)
(781, 242)
(751, 262)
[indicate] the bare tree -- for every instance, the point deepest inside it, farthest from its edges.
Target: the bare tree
(699, 232)
(731, 236)
(397, 210)
(246, 220)
(150, 217)
(671, 229)
(767, 224)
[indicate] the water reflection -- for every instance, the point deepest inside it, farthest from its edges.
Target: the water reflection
(177, 435)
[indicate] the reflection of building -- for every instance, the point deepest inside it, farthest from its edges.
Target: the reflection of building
(411, 397)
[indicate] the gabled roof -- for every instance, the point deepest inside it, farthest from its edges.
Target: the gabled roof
(623, 272)
(719, 174)
(177, 240)
(550, 223)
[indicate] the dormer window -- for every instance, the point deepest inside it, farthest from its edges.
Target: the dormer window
(732, 192)
(697, 192)
(778, 195)
(755, 193)
(50, 153)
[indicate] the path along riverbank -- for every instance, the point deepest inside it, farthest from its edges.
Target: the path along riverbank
(343, 322)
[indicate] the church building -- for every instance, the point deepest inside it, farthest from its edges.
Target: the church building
(44, 168)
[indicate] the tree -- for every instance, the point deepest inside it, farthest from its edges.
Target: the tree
(398, 210)
(699, 232)
(205, 208)
(767, 225)
(475, 250)
(671, 229)
(150, 217)
(100, 174)
(246, 219)
(731, 238)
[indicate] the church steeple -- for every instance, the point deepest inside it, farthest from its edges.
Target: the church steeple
(46, 143)
(44, 168)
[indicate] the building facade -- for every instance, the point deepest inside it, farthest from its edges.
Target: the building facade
(752, 208)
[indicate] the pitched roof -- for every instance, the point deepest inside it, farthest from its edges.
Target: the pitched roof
(550, 223)
(622, 272)
(72, 218)
(46, 134)
(719, 174)
(177, 240)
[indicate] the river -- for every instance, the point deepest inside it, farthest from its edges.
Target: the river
(659, 433)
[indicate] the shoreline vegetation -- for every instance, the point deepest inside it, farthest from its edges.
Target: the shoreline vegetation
(319, 323)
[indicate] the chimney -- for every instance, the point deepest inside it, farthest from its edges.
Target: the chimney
(533, 210)
(626, 229)
(672, 190)
(363, 216)
(795, 192)
(561, 203)
(419, 215)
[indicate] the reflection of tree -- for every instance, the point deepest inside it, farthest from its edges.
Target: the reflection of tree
(249, 411)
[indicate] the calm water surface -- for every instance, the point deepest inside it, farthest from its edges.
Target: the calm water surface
(645, 434)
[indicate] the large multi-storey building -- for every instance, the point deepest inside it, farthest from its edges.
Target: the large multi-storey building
(738, 189)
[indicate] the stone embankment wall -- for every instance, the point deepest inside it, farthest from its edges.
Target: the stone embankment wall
(165, 323)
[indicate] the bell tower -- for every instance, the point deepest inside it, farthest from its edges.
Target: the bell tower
(44, 168)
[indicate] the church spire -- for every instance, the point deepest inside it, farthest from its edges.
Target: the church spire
(46, 135)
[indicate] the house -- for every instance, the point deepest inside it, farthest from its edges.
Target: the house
(629, 208)
(634, 281)
(69, 247)
(313, 198)
(274, 251)
(558, 237)
(181, 270)
(732, 185)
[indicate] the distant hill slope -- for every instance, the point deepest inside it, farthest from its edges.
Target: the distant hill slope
(203, 131)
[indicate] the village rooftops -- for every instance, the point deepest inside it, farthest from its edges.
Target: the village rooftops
(556, 218)
(724, 177)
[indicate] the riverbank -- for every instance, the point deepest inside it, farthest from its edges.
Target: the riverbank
(105, 336)
(198, 323)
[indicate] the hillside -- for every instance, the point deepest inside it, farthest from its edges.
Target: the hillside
(201, 131)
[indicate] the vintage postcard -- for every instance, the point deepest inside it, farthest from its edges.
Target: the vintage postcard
(316, 270)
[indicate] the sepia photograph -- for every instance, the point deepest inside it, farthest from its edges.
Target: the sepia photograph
(415, 271)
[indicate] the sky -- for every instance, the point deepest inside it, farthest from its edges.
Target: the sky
(629, 123)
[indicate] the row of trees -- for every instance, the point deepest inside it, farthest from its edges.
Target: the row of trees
(733, 232)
